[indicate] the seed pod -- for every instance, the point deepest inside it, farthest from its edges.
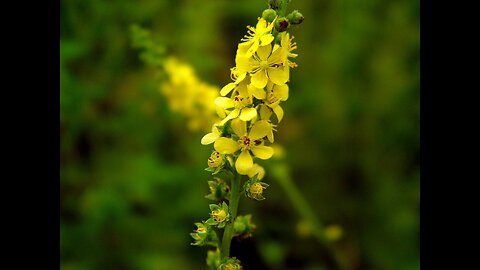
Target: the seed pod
(295, 17)
(269, 15)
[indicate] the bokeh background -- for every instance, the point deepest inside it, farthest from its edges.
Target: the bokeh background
(132, 175)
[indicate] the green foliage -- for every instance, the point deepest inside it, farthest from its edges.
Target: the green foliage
(151, 53)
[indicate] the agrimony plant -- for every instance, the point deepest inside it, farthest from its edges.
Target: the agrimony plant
(250, 108)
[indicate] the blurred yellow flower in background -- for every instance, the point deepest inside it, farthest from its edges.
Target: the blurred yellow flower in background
(188, 95)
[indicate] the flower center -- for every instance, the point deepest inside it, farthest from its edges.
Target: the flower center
(219, 215)
(256, 189)
(229, 267)
(201, 230)
(264, 64)
(240, 102)
(245, 142)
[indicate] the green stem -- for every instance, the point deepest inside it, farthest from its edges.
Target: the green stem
(282, 175)
(282, 11)
(233, 207)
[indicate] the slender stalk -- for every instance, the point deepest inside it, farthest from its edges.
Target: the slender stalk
(282, 175)
(233, 207)
(282, 11)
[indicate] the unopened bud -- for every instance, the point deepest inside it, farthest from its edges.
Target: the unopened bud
(295, 17)
(282, 24)
(274, 4)
(215, 160)
(269, 15)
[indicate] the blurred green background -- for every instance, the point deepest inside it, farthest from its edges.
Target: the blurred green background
(132, 176)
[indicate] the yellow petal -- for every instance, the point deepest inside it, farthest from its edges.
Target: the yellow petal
(239, 127)
(266, 39)
(261, 25)
(257, 170)
(270, 137)
(253, 48)
(281, 91)
(242, 90)
(209, 138)
(265, 112)
(233, 114)
(264, 51)
(240, 77)
(227, 89)
(277, 75)
(226, 146)
(260, 79)
(277, 56)
(243, 48)
(270, 26)
(248, 114)
(244, 163)
(285, 40)
(259, 130)
(262, 151)
(224, 102)
(220, 112)
(243, 63)
(256, 92)
(278, 112)
(274, 104)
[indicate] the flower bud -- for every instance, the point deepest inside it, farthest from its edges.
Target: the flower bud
(254, 188)
(274, 4)
(219, 215)
(230, 264)
(213, 259)
(243, 226)
(333, 232)
(215, 160)
(218, 190)
(204, 235)
(282, 24)
(295, 17)
(269, 15)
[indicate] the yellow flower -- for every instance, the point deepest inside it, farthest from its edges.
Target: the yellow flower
(188, 95)
(266, 64)
(212, 136)
(240, 108)
(258, 36)
(288, 46)
(229, 87)
(275, 94)
(253, 141)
